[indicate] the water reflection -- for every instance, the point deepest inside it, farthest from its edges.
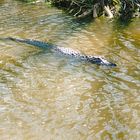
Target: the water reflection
(45, 96)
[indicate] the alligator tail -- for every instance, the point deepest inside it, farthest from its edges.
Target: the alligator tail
(39, 44)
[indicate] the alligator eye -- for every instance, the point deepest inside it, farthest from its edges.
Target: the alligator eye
(113, 65)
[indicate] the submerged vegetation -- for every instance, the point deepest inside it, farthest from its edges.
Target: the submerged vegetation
(124, 9)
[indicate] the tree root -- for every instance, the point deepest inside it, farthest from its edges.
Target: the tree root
(108, 11)
(85, 14)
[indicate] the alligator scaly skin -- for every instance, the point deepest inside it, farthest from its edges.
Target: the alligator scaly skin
(66, 51)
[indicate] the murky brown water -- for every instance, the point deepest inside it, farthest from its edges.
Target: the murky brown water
(47, 97)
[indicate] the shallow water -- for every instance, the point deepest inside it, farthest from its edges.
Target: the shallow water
(44, 96)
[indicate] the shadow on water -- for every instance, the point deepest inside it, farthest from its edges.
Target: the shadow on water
(122, 24)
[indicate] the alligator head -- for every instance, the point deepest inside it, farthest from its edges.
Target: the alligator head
(100, 61)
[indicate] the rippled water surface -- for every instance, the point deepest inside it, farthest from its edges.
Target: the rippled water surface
(44, 96)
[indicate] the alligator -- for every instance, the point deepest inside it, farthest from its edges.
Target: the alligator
(66, 51)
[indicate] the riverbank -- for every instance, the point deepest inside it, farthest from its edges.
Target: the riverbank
(80, 9)
(122, 9)
(125, 9)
